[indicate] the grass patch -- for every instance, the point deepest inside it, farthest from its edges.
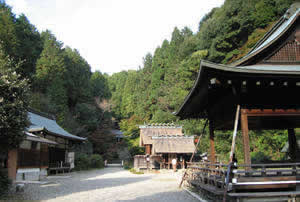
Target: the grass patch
(132, 170)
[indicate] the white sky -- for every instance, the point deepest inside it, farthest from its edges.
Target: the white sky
(113, 35)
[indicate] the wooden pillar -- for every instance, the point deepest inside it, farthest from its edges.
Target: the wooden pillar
(292, 151)
(212, 143)
(12, 160)
(148, 149)
(245, 130)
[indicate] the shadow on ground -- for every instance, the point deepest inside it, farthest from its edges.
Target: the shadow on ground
(79, 182)
(171, 196)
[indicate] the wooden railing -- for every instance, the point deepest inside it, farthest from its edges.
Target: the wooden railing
(212, 177)
(59, 167)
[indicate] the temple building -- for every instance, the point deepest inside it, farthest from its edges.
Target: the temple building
(46, 148)
(257, 92)
(164, 142)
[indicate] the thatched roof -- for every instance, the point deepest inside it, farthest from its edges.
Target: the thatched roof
(148, 131)
(173, 144)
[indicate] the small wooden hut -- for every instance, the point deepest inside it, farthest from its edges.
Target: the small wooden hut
(257, 92)
(163, 142)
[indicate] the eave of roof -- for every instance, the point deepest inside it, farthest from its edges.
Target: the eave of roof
(34, 138)
(262, 70)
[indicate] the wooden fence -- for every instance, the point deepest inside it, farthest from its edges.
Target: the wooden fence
(241, 179)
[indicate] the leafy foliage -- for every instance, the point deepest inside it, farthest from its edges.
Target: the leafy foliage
(63, 84)
(61, 80)
(13, 103)
(5, 182)
(153, 92)
(85, 162)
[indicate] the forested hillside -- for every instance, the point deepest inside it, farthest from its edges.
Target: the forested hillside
(156, 90)
(61, 81)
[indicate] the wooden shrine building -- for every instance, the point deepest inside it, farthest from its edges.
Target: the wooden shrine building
(163, 142)
(46, 148)
(260, 91)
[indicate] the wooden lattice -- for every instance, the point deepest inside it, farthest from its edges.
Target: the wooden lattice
(290, 52)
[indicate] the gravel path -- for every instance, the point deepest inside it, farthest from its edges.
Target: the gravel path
(109, 184)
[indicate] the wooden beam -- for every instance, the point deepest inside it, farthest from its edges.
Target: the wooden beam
(292, 144)
(212, 143)
(245, 131)
(272, 112)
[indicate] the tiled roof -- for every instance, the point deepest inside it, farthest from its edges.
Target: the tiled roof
(39, 122)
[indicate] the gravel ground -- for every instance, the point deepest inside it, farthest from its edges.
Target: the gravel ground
(109, 184)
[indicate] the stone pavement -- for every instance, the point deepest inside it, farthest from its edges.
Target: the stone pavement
(109, 184)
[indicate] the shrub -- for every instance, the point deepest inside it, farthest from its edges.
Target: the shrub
(5, 182)
(259, 157)
(96, 161)
(127, 165)
(82, 161)
(85, 162)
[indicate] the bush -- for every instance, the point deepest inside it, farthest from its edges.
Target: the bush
(259, 157)
(127, 165)
(82, 161)
(96, 161)
(85, 162)
(5, 182)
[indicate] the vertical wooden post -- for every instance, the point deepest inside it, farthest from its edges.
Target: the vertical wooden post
(212, 143)
(292, 144)
(12, 163)
(228, 175)
(245, 130)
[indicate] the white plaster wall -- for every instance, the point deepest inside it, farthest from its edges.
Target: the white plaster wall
(25, 144)
(28, 174)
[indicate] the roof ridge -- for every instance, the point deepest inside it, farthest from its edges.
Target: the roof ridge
(293, 8)
(44, 114)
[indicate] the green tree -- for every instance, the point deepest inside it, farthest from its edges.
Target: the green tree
(57, 93)
(77, 77)
(51, 64)
(8, 36)
(13, 104)
(29, 46)
(99, 85)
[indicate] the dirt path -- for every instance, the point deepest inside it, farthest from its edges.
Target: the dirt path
(109, 184)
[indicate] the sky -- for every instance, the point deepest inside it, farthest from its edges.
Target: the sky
(113, 35)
